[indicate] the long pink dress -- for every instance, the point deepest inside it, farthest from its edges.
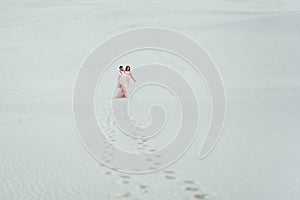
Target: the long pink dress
(123, 84)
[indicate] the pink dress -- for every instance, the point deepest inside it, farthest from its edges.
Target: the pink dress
(123, 84)
(128, 74)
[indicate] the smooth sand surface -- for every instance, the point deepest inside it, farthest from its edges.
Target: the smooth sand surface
(254, 44)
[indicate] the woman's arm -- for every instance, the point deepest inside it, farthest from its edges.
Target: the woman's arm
(132, 77)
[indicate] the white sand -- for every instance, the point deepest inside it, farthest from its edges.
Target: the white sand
(255, 46)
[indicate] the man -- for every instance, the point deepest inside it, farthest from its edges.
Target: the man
(121, 68)
(121, 72)
(121, 83)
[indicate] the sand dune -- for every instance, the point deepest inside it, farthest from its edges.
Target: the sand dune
(255, 46)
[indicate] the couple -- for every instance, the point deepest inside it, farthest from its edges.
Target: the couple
(123, 81)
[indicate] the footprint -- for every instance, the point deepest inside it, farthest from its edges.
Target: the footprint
(152, 168)
(143, 186)
(168, 172)
(126, 182)
(189, 182)
(193, 189)
(123, 195)
(201, 196)
(170, 177)
(125, 176)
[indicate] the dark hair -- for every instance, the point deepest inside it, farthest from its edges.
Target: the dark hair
(120, 67)
(127, 68)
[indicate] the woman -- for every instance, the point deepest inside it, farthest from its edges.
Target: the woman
(129, 75)
(123, 81)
